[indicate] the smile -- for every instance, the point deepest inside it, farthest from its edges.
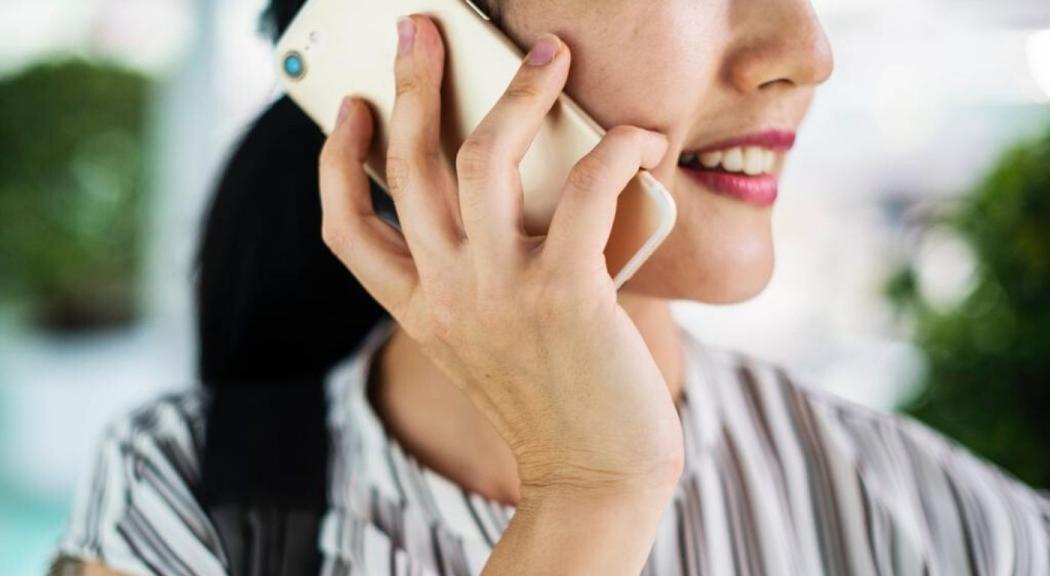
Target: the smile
(743, 168)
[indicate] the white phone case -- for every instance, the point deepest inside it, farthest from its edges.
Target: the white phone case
(348, 47)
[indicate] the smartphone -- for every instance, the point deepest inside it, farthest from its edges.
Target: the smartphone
(338, 48)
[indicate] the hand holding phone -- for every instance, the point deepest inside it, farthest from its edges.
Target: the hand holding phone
(531, 332)
(336, 48)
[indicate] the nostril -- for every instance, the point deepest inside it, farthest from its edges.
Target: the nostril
(772, 83)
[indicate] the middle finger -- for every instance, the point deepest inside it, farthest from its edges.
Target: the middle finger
(419, 179)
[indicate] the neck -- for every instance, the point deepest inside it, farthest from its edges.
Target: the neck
(432, 420)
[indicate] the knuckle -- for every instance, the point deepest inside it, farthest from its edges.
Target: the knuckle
(557, 302)
(407, 84)
(333, 235)
(627, 140)
(522, 90)
(492, 305)
(474, 159)
(589, 174)
(398, 173)
(419, 329)
(438, 322)
(551, 295)
(626, 133)
(442, 324)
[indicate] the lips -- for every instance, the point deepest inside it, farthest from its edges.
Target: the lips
(742, 168)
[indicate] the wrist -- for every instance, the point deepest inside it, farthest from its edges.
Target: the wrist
(651, 490)
(571, 529)
(545, 476)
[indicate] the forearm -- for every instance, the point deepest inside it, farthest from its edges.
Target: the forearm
(608, 532)
(69, 566)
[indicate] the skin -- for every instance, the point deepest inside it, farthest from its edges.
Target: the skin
(517, 370)
(709, 72)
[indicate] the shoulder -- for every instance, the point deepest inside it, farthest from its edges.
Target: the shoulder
(176, 420)
(742, 385)
(730, 376)
(163, 439)
(866, 475)
(137, 510)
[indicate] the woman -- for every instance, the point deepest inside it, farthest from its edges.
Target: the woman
(516, 414)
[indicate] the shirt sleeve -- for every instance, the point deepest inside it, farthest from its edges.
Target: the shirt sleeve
(135, 511)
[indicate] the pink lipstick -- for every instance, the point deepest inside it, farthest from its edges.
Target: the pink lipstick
(742, 168)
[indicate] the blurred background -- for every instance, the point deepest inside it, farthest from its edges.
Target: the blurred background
(913, 233)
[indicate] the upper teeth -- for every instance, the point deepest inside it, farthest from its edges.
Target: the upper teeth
(750, 160)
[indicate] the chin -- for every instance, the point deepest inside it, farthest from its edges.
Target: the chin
(706, 260)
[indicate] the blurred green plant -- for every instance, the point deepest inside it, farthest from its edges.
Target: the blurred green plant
(72, 187)
(988, 357)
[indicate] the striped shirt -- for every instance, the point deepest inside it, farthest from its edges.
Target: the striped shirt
(779, 479)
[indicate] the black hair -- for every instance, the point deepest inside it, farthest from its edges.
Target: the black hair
(275, 312)
(278, 15)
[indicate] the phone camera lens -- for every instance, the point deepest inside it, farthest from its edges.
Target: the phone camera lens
(294, 66)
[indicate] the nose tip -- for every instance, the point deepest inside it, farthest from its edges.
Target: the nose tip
(790, 49)
(822, 60)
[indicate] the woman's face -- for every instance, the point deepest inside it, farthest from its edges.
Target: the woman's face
(703, 73)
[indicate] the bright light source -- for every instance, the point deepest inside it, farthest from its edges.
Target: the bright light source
(1039, 59)
(947, 269)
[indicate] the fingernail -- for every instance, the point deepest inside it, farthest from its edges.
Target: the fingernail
(344, 111)
(406, 35)
(544, 51)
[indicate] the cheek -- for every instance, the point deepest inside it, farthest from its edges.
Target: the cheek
(615, 94)
(653, 73)
(720, 251)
